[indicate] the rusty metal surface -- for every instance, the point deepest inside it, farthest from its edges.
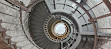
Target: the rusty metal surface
(18, 4)
(3, 43)
(103, 16)
(95, 6)
(108, 4)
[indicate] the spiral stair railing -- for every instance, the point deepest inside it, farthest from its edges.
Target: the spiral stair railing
(27, 9)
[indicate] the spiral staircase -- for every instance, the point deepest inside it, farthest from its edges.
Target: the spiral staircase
(55, 24)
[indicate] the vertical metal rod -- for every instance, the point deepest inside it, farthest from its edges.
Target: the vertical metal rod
(14, 45)
(3, 34)
(64, 4)
(9, 41)
(2, 30)
(54, 4)
(18, 4)
(103, 16)
(95, 6)
(81, 15)
(8, 14)
(22, 25)
(93, 23)
(104, 28)
(8, 6)
(75, 9)
(11, 23)
(103, 39)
